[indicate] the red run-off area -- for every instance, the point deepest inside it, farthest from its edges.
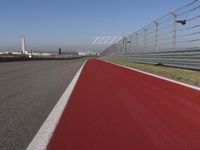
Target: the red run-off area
(114, 108)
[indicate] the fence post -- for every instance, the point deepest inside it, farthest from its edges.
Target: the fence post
(136, 41)
(156, 38)
(125, 45)
(130, 42)
(174, 29)
(145, 37)
(124, 42)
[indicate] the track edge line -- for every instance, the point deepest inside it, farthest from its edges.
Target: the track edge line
(43, 136)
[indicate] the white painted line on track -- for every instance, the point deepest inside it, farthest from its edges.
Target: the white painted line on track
(43, 136)
(157, 76)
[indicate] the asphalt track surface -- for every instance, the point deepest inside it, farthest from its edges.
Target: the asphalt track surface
(28, 93)
(114, 108)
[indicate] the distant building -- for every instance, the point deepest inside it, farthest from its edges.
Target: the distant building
(89, 53)
(81, 53)
(59, 51)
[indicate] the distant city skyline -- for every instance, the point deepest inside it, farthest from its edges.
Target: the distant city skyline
(72, 25)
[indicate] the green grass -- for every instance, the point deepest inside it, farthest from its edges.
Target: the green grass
(182, 75)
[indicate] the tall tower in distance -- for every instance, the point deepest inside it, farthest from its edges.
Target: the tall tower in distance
(23, 42)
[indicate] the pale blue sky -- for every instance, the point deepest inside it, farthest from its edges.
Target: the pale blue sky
(71, 24)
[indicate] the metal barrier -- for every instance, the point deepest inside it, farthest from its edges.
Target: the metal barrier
(172, 40)
(37, 57)
(182, 59)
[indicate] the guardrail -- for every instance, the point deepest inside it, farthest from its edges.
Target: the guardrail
(54, 57)
(172, 40)
(182, 59)
(37, 57)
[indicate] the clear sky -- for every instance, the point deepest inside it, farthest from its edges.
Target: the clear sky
(73, 24)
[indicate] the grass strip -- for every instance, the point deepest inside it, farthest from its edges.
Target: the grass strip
(191, 77)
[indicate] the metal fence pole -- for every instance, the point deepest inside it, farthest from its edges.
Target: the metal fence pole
(125, 45)
(145, 37)
(130, 45)
(174, 29)
(122, 48)
(136, 41)
(124, 42)
(156, 38)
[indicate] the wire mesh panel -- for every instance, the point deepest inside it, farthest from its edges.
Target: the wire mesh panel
(178, 31)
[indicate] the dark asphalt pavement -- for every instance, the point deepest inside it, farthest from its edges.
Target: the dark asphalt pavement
(28, 93)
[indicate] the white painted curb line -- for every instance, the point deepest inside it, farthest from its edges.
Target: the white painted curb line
(43, 136)
(163, 78)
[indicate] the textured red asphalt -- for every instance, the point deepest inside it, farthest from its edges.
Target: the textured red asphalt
(114, 108)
